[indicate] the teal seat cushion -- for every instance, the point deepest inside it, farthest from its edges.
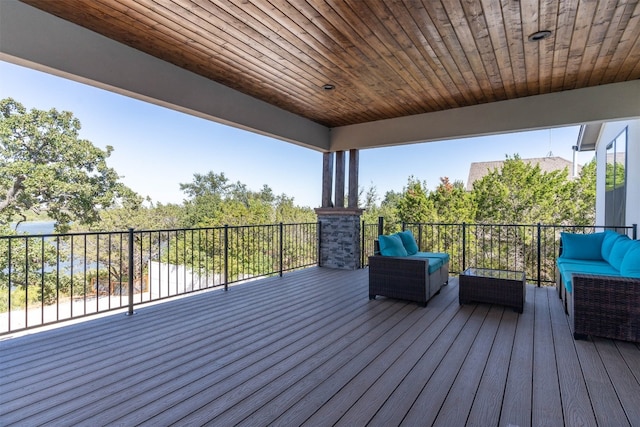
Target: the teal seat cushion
(436, 259)
(434, 262)
(610, 238)
(582, 246)
(567, 270)
(434, 265)
(630, 266)
(619, 250)
(391, 245)
(441, 255)
(409, 242)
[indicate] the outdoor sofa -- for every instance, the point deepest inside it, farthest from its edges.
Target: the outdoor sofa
(598, 279)
(398, 270)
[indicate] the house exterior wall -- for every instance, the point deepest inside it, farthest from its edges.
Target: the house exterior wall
(609, 132)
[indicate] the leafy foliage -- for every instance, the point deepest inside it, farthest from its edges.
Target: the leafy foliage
(387, 209)
(46, 166)
(520, 193)
(452, 203)
(214, 201)
(584, 201)
(414, 205)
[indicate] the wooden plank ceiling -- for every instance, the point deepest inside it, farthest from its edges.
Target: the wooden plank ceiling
(386, 59)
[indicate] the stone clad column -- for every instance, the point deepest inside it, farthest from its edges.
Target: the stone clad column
(340, 225)
(339, 237)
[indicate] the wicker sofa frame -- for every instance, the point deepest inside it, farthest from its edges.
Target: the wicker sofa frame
(603, 306)
(405, 278)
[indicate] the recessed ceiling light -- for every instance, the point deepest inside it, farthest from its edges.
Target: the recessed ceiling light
(539, 35)
(328, 86)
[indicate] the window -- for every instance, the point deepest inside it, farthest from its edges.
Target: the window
(616, 181)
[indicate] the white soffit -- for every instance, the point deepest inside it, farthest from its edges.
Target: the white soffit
(588, 136)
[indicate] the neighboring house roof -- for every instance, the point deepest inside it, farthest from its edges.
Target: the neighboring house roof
(478, 170)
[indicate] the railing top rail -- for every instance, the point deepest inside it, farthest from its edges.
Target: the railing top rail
(159, 230)
(53, 235)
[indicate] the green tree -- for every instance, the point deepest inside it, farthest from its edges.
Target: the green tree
(213, 201)
(414, 205)
(286, 211)
(210, 184)
(453, 204)
(46, 166)
(520, 193)
(584, 195)
(371, 209)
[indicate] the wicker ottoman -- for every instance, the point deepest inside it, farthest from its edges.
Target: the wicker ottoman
(490, 286)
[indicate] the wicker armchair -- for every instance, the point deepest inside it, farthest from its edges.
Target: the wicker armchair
(405, 278)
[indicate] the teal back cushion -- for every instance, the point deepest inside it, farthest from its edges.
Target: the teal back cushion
(610, 237)
(619, 250)
(630, 266)
(582, 246)
(391, 246)
(409, 242)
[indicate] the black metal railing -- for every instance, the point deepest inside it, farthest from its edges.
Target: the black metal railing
(54, 277)
(369, 233)
(529, 248)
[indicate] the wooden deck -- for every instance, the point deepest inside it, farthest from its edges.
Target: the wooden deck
(311, 349)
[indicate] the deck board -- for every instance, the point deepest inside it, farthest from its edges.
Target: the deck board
(309, 348)
(484, 411)
(576, 406)
(459, 399)
(625, 384)
(547, 406)
(432, 396)
(606, 406)
(516, 405)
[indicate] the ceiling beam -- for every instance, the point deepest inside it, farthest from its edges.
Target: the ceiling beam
(615, 101)
(39, 40)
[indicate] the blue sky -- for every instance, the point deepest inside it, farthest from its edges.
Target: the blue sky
(156, 149)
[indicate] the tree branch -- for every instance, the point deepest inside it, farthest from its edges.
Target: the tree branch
(13, 192)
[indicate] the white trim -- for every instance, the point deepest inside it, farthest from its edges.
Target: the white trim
(595, 104)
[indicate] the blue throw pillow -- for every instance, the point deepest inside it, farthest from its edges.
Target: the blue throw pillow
(409, 242)
(630, 266)
(391, 245)
(582, 246)
(610, 238)
(618, 252)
